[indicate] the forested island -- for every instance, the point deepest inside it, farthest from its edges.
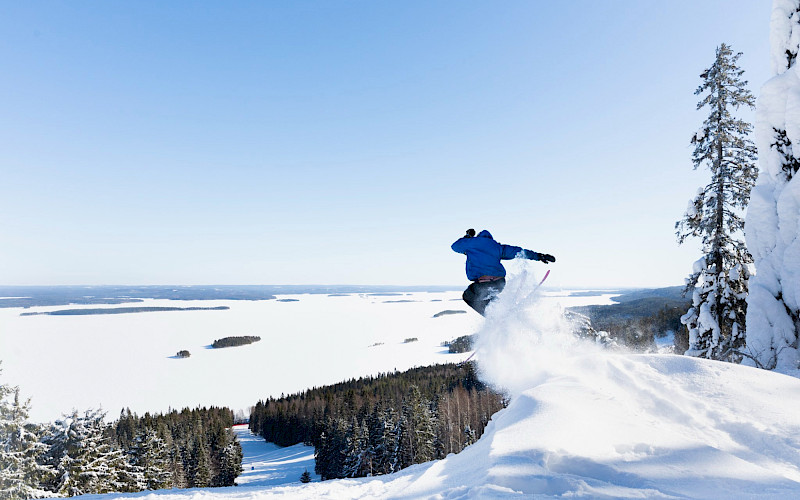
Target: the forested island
(235, 341)
(120, 310)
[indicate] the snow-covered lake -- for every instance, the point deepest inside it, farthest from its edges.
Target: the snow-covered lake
(128, 360)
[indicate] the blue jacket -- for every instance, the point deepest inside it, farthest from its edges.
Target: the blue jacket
(484, 255)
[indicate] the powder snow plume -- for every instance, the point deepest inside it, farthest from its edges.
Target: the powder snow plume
(525, 340)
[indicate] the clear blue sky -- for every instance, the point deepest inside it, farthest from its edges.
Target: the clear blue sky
(333, 142)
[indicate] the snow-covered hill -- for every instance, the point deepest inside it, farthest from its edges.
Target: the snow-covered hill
(589, 423)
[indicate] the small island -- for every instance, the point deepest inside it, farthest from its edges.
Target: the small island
(234, 341)
(459, 345)
(448, 312)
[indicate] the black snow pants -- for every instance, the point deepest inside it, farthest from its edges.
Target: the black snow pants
(479, 294)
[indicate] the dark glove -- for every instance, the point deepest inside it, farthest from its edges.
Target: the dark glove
(546, 258)
(470, 233)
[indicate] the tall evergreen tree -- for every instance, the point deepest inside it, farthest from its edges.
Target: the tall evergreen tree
(150, 453)
(200, 469)
(21, 475)
(332, 451)
(403, 453)
(422, 425)
(230, 464)
(358, 452)
(719, 278)
(380, 423)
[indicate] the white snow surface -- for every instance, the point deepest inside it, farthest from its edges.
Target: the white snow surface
(267, 464)
(582, 422)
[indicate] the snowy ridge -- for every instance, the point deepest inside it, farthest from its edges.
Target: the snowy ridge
(594, 424)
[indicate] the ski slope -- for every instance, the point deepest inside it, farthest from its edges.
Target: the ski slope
(589, 423)
(266, 464)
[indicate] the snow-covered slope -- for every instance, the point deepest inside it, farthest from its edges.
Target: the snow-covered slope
(589, 423)
(266, 464)
(607, 426)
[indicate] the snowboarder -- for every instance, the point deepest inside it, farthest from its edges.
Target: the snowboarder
(484, 268)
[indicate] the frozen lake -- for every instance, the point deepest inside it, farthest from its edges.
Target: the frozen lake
(128, 360)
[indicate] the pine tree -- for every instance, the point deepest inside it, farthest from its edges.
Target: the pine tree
(150, 453)
(422, 426)
(359, 453)
(719, 278)
(21, 475)
(332, 451)
(415, 431)
(380, 424)
(403, 453)
(469, 436)
(84, 459)
(200, 470)
(230, 463)
(305, 477)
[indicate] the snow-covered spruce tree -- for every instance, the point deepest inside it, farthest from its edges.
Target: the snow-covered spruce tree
(417, 432)
(21, 476)
(358, 453)
(719, 278)
(200, 471)
(150, 453)
(382, 439)
(230, 465)
(772, 225)
(84, 459)
(329, 456)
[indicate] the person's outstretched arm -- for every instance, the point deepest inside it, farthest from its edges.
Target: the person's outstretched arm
(509, 252)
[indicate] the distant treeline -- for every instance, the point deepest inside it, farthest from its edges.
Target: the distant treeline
(377, 425)
(234, 341)
(121, 310)
(640, 317)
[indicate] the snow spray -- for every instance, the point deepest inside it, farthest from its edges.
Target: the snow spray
(526, 338)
